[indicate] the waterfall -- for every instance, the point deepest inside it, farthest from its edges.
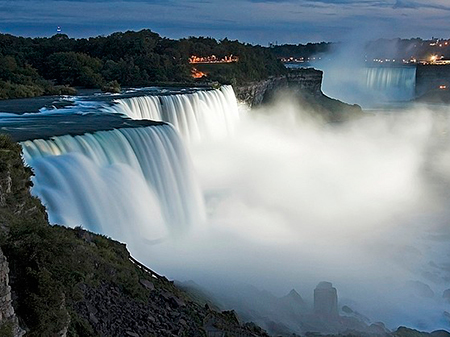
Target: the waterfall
(139, 177)
(396, 83)
(136, 177)
(205, 114)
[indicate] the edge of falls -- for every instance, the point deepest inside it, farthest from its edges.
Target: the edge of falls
(137, 177)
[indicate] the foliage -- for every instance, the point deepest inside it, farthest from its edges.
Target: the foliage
(112, 86)
(301, 50)
(32, 66)
(6, 329)
(255, 62)
(76, 69)
(15, 90)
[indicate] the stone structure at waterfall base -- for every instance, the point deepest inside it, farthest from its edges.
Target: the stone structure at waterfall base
(326, 301)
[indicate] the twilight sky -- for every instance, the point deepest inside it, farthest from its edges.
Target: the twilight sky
(254, 21)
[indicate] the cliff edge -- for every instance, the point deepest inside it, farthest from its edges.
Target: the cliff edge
(304, 85)
(9, 323)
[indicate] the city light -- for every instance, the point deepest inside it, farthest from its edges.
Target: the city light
(213, 59)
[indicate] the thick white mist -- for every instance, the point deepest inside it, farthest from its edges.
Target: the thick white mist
(292, 202)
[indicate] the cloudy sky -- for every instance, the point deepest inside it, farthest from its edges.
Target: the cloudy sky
(254, 21)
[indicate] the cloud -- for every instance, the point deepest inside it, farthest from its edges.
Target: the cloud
(256, 21)
(405, 4)
(420, 5)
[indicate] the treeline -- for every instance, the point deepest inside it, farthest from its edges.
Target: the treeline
(38, 66)
(255, 62)
(304, 51)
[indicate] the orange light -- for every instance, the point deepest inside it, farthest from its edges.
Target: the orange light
(195, 73)
(442, 87)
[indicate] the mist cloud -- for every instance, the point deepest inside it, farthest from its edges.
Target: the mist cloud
(292, 202)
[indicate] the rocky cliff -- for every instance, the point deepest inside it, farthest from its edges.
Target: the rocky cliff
(304, 85)
(304, 80)
(9, 323)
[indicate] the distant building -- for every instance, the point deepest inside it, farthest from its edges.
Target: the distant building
(442, 62)
(326, 301)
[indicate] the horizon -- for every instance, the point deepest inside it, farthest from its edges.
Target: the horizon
(59, 31)
(257, 21)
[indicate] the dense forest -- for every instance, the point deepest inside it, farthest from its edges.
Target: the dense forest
(32, 67)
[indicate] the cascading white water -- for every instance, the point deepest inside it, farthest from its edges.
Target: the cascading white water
(347, 223)
(119, 177)
(371, 87)
(206, 114)
(395, 83)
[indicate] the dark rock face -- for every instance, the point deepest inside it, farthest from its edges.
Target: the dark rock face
(304, 85)
(112, 313)
(305, 80)
(9, 323)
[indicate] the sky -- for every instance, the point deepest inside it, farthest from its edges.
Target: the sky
(254, 21)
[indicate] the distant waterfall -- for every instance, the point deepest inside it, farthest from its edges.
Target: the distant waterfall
(205, 114)
(126, 177)
(395, 83)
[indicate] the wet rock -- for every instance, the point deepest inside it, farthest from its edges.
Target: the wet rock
(132, 334)
(93, 319)
(147, 284)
